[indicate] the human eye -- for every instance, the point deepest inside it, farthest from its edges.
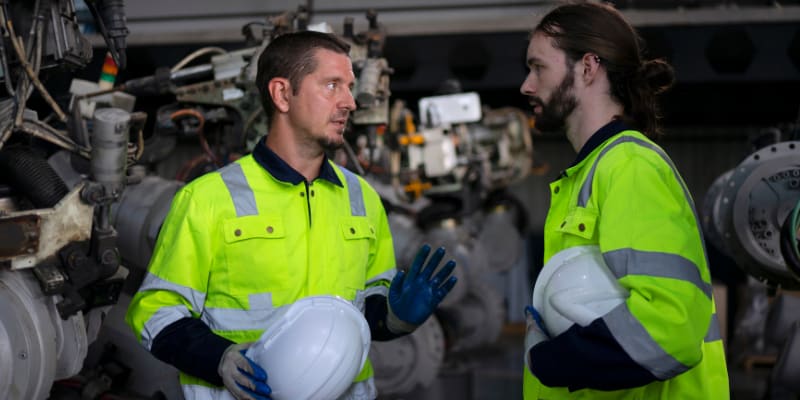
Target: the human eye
(331, 85)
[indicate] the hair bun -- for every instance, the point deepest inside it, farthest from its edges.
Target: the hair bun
(657, 74)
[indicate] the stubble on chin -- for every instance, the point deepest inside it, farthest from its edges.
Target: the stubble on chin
(330, 143)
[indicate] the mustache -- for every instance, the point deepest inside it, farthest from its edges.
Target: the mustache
(341, 115)
(535, 101)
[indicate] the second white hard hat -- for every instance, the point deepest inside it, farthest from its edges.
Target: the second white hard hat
(576, 287)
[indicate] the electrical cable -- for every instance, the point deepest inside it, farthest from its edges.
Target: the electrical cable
(353, 158)
(3, 56)
(45, 132)
(15, 41)
(34, 23)
(249, 123)
(195, 54)
(134, 151)
(188, 112)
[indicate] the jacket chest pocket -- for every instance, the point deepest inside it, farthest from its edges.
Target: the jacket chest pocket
(257, 254)
(358, 236)
(580, 225)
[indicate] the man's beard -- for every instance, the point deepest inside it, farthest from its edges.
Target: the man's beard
(330, 144)
(554, 114)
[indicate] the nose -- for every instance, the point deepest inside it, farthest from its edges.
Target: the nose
(528, 87)
(349, 102)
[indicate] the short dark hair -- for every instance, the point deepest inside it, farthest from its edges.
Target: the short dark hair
(580, 28)
(291, 56)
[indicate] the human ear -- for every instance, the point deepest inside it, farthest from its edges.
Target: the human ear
(590, 63)
(280, 90)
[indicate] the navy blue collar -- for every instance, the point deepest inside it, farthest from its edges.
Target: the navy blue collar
(283, 172)
(608, 130)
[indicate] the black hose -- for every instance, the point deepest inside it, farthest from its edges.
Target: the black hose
(789, 242)
(30, 175)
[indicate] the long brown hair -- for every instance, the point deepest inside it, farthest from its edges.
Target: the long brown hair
(580, 28)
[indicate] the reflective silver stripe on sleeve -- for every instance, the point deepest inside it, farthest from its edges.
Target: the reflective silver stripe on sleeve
(363, 390)
(360, 300)
(357, 208)
(232, 319)
(244, 200)
(167, 315)
(713, 333)
(200, 392)
(586, 189)
(361, 295)
(381, 278)
(625, 262)
(160, 320)
(377, 285)
(195, 298)
(640, 346)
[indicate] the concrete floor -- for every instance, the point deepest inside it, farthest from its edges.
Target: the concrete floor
(490, 373)
(495, 373)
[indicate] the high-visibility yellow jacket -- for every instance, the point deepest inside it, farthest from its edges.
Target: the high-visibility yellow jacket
(664, 342)
(239, 242)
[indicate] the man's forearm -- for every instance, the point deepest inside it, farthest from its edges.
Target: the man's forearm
(189, 345)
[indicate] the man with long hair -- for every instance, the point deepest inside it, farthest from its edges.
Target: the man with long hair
(623, 199)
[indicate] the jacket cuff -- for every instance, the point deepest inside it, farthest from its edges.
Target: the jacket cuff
(189, 345)
(397, 325)
(376, 312)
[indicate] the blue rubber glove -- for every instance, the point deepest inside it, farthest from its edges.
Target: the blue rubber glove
(245, 379)
(414, 296)
(535, 332)
(533, 313)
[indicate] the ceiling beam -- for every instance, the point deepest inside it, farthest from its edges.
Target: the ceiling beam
(152, 22)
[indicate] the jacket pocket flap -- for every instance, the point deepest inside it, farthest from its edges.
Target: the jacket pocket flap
(580, 222)
(357, 228)
(251, 227)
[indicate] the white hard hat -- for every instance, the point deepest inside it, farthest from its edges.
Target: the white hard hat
(576, 287)
(313, 348)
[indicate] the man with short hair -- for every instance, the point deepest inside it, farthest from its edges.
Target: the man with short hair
(276, 226)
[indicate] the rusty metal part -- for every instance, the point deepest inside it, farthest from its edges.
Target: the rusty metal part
(19, 236)
(29, 237)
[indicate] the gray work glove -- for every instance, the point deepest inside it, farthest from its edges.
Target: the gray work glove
(245, 379)
(535, 332)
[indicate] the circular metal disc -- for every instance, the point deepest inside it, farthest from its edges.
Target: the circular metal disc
(406, 363)
(27, 338)
(754, 204)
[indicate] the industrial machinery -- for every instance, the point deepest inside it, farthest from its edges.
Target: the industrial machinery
(751, 212)
(60, 267)
(84, 191)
